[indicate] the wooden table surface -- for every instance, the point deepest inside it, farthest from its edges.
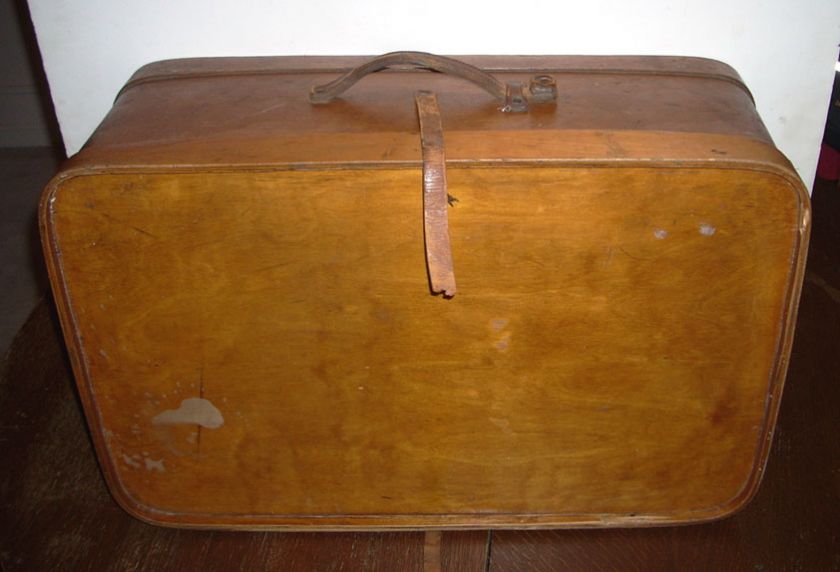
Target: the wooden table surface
(56, 514)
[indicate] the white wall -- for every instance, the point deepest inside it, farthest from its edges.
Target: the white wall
(784, 49)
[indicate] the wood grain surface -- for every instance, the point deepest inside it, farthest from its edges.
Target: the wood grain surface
(57, 514)
(608, 362)
(793, 523)
(216, 112)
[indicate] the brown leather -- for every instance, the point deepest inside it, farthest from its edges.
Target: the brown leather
(514, 95)
(435, 220)
(329, 91)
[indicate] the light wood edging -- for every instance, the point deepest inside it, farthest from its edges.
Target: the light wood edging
(424, 521)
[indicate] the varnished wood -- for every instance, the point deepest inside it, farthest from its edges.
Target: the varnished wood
(602, 112)
(57, 513)
(615, 354)
(792, 523)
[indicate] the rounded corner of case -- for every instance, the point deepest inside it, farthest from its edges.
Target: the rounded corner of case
(728, 509)
(720, 63)
(153, 68)
(745, 495)
(50, 194)
(136, 509)
(45, 207)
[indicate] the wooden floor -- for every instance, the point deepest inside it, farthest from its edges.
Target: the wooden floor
(55, 513)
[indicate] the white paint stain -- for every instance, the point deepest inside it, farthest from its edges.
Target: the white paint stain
(503, 343)
(131, 462)
(660, 233)
(707, 229)
(154, 465)
(608, 258)
(502, 424)
(193, 411)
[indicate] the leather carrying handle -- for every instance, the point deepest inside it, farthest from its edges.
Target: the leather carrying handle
(515, 96)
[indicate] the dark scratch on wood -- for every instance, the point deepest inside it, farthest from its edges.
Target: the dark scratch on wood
(632, 256)
(131, 226)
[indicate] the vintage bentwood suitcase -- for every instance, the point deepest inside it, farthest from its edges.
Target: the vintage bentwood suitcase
(245, 267)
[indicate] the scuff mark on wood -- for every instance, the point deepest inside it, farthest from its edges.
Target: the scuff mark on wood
(707, 229)
(131, 461)
(193, 410)
(154, 465)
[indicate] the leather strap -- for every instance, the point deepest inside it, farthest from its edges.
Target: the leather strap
(515, 96)
(419, 60)
(435, 203)
(431, 551)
